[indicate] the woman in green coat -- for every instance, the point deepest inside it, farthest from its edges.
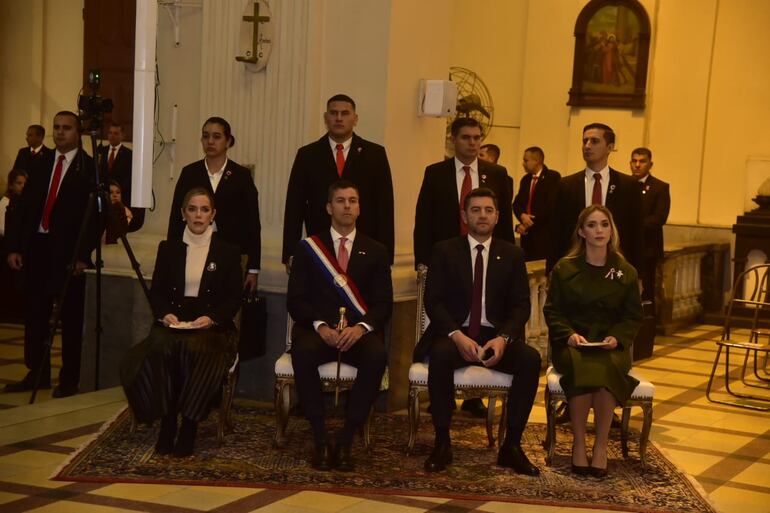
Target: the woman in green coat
(593, 312)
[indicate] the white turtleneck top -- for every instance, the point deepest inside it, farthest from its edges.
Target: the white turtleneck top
(197, 251)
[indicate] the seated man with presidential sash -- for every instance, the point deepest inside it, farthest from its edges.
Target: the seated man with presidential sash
(336, 269)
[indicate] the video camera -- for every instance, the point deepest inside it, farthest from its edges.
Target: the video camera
(91, 108)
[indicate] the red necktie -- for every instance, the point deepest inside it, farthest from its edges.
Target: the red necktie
(531, 194)
(111, 160)
(342, 254)
(340, 160)
(52, 191)
(474, 323)
(596, 196)
(32, 151)
(464, 190)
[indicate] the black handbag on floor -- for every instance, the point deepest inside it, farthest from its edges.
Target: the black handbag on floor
(253, 328)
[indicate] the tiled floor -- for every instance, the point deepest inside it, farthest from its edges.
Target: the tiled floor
(726, 449)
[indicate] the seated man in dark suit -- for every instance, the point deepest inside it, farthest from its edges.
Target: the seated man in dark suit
(477, 300)
(34, 150)
(339, 267)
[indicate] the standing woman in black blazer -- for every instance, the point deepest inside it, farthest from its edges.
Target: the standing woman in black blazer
(233, 189)
(178, 369)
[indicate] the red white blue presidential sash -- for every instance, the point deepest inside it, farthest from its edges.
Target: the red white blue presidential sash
(329, 267)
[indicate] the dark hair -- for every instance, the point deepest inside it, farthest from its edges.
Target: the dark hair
(116, 184)
(340, 98)
(225, 128)
(492, 148)
(340, 184)
(71, 114)
(116, 125)
(13, 174)
(480, 192)
(609, 134)
(458, 123)
(642, 151)
(536, 150)
(40, 129)
(197, 191)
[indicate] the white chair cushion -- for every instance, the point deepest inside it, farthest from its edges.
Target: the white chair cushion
(644, 390)
(465, 377)
(284, 369)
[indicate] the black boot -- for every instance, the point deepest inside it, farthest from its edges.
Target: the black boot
(165, 443)
(186, 440)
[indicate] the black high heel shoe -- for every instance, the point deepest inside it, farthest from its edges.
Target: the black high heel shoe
(186, 438)
(580, 470)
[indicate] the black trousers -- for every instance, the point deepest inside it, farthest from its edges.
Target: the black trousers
(518, 359)
(43, 279)
(647, 275)
(368, 355)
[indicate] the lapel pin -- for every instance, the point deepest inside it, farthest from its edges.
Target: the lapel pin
(483, 178)
(497, 257)
(359, 149)
(211, 267)
(612, 188)
(361, 252)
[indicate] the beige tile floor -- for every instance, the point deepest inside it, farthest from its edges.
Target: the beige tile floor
(726, 449)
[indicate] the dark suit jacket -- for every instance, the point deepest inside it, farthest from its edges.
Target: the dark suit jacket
(537, 241)
(24, 158)
(220, 287)
(311, 297)
(656, 202)
(437, 216)
(624, 200)
(450, 286)
(67, 214)
(236, 202)
(315, 169)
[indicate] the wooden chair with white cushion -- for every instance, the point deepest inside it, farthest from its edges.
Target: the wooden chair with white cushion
(471, 381)
(642, 397)
(284, 381)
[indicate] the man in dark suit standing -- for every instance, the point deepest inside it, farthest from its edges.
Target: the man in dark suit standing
(656, 202)
(338, 154)
(534, 204)
(115, 165)
(34, 150)
(598, 184)
(444, 186)
(477, 300)
(339, 267)
(42, 241)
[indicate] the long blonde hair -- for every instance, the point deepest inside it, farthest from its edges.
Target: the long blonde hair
(579, 243)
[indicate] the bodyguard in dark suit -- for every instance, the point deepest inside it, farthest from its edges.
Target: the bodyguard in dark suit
(234, 192)
(314, 298)
(115, 165)
(34, 150)
(339, 154)
(439, 205)
(477, 299)
(656, 202)
(42, 240)
(534, 204)
(613, 189)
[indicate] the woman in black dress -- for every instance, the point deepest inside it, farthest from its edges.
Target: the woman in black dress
(196, 290)
(232, 187)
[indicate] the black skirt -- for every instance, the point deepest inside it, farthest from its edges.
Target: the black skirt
(177, 372)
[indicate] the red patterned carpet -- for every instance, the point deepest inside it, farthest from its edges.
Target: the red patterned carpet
(248, 459)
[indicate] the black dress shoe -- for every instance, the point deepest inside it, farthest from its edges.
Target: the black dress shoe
(475, 407)
(322, 457)
(439, 458)
(165, 443)
(186, 439)
(343, 461)
(64, 391)
(514, 457)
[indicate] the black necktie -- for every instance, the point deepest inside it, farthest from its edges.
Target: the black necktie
(474, 323)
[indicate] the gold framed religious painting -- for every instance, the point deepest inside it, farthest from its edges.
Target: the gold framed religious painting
(612, 47)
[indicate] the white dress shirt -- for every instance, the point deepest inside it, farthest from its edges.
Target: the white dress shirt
(589, 181)
(345, 148)
(215, 177)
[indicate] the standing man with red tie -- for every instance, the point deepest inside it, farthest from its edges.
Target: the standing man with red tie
(445, 185)
(598, 184)
(338, 154)
(534, 204)
(34, 150)
(42, 241)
